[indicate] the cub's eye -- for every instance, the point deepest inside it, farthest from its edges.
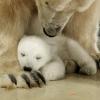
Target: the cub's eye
(38, 58)
(22, 54)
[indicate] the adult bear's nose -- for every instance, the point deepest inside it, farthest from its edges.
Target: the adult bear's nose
(51, 30)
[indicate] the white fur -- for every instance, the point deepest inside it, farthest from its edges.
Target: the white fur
(68, 48)
(50, 65)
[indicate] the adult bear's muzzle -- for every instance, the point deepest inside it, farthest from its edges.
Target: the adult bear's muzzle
(51, 30)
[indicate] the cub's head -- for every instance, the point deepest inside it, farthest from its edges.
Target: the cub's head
(33, 53)
(55, 14)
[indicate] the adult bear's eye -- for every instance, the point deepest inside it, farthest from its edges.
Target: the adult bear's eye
(22, 54)
(46, 3)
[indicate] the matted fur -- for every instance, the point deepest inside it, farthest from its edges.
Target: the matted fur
(15, 17)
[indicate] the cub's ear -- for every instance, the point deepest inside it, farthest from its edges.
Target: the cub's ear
(84, 5)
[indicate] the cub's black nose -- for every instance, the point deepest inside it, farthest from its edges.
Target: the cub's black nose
(29, 69)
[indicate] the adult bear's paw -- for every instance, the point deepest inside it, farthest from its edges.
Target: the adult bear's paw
(29, 80)
(24, 80)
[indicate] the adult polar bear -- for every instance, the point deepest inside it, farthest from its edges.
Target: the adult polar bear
(77, 19)
(16, 17)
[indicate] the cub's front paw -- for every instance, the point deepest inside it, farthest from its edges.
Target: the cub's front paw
(88, 69)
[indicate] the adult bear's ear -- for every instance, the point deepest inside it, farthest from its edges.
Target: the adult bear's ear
(84, 5)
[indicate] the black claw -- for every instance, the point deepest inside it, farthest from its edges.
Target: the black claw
(35, 77)
(12, 78)
(27, 80)
(41, 77)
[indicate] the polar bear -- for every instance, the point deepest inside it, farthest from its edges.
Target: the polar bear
(35, 54)
(36, 57)
(77, 19)
(42, 60)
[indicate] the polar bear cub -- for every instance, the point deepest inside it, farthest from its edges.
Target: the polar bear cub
(35, 54)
